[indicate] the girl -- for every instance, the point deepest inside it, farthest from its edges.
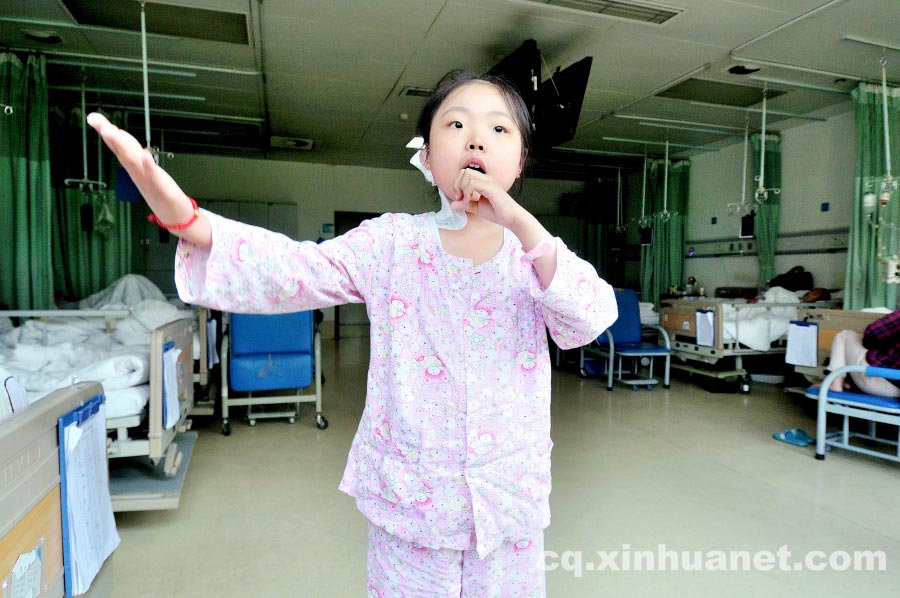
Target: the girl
(451, 461)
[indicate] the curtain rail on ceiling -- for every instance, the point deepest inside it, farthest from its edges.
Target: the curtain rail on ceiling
(678, 122)
(185, 113)
(126, 92)
(785, 25)
(119, 67)
(744, 109)
(160, 63)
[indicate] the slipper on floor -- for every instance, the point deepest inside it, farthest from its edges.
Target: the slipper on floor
(801, 434)
(793, 437)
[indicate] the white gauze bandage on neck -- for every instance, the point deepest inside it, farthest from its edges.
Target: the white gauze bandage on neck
(446, 217)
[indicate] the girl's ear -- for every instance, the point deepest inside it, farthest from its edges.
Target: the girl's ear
(423, 157)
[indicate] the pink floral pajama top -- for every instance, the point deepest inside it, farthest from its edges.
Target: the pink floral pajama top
(453, 448)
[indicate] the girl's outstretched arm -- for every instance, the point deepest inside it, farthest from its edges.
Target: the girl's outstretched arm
(170, 204)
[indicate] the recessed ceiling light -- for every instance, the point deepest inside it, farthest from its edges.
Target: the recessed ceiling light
(42, 36)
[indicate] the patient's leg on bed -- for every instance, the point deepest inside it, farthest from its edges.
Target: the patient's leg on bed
(847, 349)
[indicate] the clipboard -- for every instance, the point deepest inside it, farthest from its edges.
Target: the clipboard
(802, 344)
(706, 327)
(172, 372)
(83, 465)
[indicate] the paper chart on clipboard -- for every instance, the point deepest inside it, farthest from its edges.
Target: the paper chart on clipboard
(88, 525)
(706, 327)
(802, 344)
(170, 386)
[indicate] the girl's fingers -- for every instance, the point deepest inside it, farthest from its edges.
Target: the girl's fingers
(125, 147)
(136, 161)
(154, 183)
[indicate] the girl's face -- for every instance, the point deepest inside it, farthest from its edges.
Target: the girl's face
(473, 127)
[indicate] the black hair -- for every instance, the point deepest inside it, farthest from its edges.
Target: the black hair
(458, 78)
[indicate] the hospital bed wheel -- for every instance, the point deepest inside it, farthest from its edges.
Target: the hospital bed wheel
(252, 422)
(290, 420)
(226, 428)
(745, 385)
(321, 422)
(583, 373)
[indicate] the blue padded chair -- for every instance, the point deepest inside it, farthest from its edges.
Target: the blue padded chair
(268, 353)
(624, 340)
(872, 408)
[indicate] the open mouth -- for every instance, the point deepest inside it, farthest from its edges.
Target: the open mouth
(476, 168)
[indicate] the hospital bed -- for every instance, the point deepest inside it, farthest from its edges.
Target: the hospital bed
(131, 291)
(711, 337)
(30, 507)
(62, 347)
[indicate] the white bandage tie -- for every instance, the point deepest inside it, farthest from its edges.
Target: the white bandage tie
(446, 218)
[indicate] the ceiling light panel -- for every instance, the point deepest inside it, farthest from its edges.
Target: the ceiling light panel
(632, 11)
(164, 19)
(716, 92)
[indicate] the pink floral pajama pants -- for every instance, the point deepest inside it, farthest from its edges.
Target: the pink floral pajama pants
(400, 569)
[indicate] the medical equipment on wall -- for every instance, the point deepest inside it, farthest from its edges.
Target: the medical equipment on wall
(7, 109)
(762, 192)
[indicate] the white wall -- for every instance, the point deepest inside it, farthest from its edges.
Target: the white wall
(818, 163)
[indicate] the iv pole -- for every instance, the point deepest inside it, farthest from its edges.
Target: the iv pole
(890, 265)
(84, 181)
(762, 193)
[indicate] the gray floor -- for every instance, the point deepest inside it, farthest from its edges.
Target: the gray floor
(684, 468)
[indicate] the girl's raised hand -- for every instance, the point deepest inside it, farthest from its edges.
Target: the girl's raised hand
(160, 191)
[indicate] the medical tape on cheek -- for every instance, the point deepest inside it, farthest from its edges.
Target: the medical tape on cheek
(446, 218)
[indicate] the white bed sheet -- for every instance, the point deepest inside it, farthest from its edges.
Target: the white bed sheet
(125, 402)
(44, 355)
(758, 327)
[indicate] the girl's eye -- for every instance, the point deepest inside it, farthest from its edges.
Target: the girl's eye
(456, 124)
(499, 129)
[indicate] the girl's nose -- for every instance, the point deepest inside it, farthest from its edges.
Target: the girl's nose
(477, 146)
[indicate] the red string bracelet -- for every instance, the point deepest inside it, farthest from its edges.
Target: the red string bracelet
(152, 218)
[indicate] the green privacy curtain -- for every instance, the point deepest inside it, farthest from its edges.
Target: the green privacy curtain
(26, 280)
(765, 222)
(85, 261)
(863, 284)
(662, 262)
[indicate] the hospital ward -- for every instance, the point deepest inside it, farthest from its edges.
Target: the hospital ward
(433, 298)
